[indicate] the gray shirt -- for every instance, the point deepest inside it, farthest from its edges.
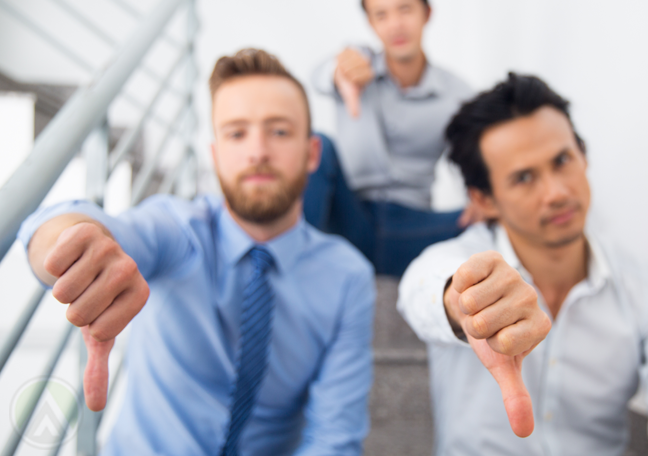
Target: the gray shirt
(390, 151)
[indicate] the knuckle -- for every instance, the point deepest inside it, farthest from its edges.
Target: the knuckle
(83, 232)
(479, 326)
(75, 317)
(530, 295)
(545, 325)
(60, 292)
(467, 303)
(145, 292)
(505, 342)
(464, 275)
(100, 333)
(51, 265)
(493, 256)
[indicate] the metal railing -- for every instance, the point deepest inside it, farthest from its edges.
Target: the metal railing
(84, 119)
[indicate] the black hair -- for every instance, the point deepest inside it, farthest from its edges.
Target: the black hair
(516, 97)
(362, 2)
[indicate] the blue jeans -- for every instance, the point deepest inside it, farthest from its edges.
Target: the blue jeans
(388, 234)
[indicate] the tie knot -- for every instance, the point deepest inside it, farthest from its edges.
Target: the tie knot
(261, 258)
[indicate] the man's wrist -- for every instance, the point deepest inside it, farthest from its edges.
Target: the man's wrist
(454, 324)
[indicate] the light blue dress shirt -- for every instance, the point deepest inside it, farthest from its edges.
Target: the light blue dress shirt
(184, 342)
(580, 377)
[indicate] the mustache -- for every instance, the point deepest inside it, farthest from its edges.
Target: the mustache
(560, 209)
(259, 169)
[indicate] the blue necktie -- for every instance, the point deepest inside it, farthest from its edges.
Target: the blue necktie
(256, 328)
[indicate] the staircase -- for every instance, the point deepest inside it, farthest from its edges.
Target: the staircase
(401, 420)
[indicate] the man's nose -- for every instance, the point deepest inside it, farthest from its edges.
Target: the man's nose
(555, 190)
(258, 147)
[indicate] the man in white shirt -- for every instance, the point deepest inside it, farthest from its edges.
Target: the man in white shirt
(525, 168)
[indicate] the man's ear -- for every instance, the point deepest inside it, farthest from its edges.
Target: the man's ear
(484, 203)
(314, 153)
(213, 154)
(428, 15)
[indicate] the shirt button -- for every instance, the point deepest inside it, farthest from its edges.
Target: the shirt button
(553, 362)
(548, 416)
(433, 299)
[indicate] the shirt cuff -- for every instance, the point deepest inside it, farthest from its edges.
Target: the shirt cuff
(421, 305)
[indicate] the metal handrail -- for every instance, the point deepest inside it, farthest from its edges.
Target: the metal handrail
(69, 414)
(48, 37)
(18, 329)
(96, 30)
(132, 12)
(129, 139)
(146, 174)
(170, 180)
(63, 136)
(14, 439)
(85, 113)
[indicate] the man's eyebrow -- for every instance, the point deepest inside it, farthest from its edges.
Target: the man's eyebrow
(564, 150)
(234, 123)
(278, 119)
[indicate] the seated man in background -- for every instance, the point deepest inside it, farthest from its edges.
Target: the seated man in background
(392, 108)
(256, 338)
(525, 168)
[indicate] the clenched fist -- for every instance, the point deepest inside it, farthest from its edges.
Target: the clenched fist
(102, 285)
(499, 313)
(352, 74)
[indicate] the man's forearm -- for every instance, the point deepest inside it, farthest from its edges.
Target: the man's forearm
(45, 238)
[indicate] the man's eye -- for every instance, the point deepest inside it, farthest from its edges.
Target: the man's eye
(562, 159)
(280, 132)
(524, 178)
(235, 134)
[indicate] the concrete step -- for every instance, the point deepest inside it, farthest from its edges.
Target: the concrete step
(401, 420)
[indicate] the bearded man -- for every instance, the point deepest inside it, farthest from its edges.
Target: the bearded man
(256, 338)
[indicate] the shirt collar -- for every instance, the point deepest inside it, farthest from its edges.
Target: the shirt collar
(234, 243)
(598, 269)
(430, 83)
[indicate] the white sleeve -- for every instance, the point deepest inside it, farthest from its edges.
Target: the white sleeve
(322, 78)
(420, 295)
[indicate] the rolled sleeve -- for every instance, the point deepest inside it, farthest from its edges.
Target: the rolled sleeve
(323, 77)
(337, 411)
(420, 298)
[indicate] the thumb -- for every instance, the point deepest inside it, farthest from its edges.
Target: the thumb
(517, 400)
(350, 94)
(95, 377)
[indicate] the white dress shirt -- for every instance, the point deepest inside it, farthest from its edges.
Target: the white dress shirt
(580, 377)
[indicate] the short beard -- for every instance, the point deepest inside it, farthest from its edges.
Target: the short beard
(263, 206)
(565, 241)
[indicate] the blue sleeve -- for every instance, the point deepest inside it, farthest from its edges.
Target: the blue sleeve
(154, 233)
(337, 411)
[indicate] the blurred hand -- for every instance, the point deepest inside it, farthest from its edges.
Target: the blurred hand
(499, 313)
(104, 290)
(470, 215)
(352, 74)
